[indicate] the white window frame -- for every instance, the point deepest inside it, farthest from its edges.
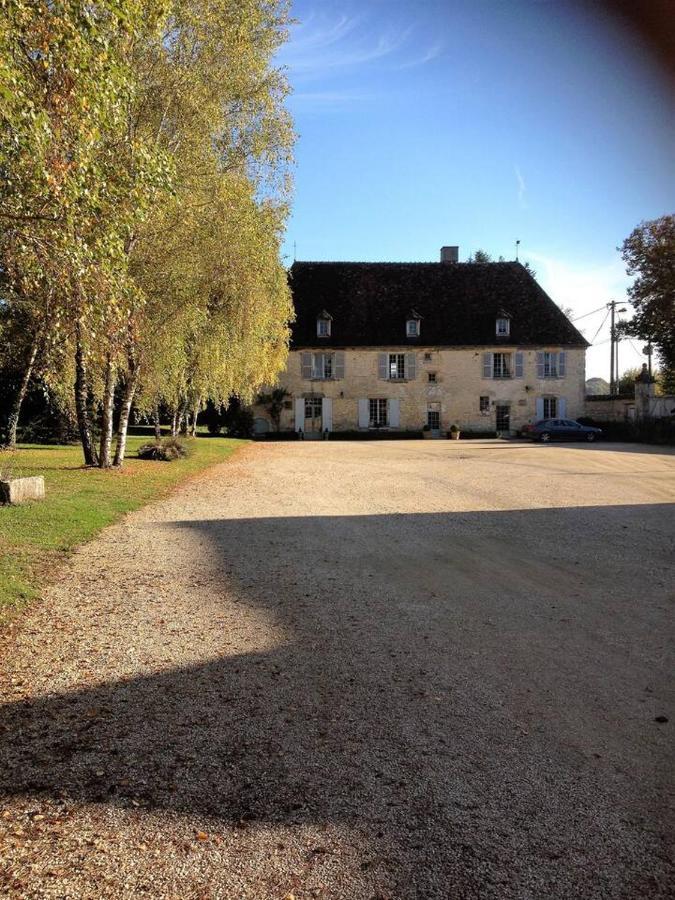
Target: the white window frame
(551, 366)
(323, 366)
(396, 366)
(503, 327)
(322, 327)
(550, 403)
(378, 412)
(506, 365)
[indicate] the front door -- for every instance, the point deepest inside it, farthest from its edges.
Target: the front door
(434, 420)
(312, 415)
(503, 418)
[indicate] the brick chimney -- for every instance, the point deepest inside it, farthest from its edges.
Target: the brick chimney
(449, 254)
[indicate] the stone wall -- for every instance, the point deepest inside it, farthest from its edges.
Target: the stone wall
(459, 386)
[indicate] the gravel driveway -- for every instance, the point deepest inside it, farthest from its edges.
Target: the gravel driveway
(355, 670)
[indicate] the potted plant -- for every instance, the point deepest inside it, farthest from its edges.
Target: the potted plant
(454, 433)
(426, 431)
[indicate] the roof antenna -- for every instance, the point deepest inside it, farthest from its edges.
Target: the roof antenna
(517, 245)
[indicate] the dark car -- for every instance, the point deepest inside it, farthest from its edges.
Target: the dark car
(561, 430)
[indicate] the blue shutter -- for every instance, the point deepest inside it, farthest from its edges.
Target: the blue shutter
(562, 407)
(339, 365)
(299, 413)
(540, 365)
(519, 365)
(326, 414)
(382, 362)
(306, 362)
(539, 408)
(364, 414)
(394, 413)
(561, 364)
(487, 365)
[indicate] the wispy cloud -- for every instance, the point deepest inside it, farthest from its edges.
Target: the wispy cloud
(433, 52)
(322, 47)
(522, 188)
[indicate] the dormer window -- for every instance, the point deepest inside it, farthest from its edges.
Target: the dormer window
(503, 327)
(323, 323)
(412, 325)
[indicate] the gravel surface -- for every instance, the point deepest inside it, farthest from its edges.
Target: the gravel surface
(355, 670)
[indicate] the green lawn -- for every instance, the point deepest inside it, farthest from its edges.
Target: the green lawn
(79, 502)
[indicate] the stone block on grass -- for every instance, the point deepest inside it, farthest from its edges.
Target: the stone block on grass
(20, 490)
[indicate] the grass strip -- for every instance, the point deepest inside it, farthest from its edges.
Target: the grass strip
(35, 537)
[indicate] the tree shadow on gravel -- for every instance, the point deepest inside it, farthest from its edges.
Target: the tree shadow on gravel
(468, 689)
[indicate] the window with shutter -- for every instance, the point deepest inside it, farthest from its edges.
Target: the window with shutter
(487, 365)
(397, 366)
(377, 413)
(540, 365)
(501, 365)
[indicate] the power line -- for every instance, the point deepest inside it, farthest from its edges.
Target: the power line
(600, 328)
(599, 309)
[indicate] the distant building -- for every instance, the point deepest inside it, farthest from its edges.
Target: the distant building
(597, 387)
(400, 346)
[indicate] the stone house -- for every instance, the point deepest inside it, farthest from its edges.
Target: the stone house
(400, 346)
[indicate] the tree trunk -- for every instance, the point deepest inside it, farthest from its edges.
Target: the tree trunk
(174, 423)
(155, 419)
(195, 413)
(183, 418)
(105, 452)
(81, 395)
(18, 400)
(125, 412)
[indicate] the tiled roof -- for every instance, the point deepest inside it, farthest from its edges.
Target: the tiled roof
(458, 304)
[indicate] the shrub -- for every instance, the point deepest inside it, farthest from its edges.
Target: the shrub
(166, 450)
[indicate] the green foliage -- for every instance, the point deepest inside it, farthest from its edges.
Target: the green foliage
(649, 254)
(166, 450)
(274, 401)
(146, 153)
(480, 256)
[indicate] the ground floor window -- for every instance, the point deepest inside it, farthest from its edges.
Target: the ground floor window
(434, 419)
(550, 407)
(484, 404)
(503, 417)
(378, 413)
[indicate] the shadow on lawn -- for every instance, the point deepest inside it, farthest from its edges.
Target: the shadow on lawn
(467, 688)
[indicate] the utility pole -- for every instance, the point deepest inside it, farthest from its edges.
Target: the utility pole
(613, 348)
(647, 351)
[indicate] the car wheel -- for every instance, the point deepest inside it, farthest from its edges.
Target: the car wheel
(590, 436)
(545, 437)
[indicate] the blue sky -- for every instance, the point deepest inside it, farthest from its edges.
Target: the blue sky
(476, 122)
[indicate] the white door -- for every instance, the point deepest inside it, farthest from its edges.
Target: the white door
(327, 414)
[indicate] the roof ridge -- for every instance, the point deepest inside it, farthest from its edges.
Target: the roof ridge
(354, 262)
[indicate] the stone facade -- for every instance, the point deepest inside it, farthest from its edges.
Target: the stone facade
(458, 381)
